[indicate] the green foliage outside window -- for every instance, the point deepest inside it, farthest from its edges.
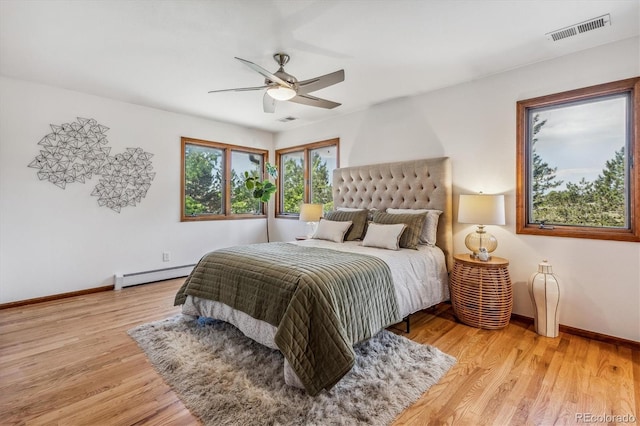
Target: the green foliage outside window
(292, 184)
(203, 181)
(205, 184)
(242, 200)
(575, 168)
(322, 163)
(598, 203)
(321, 189)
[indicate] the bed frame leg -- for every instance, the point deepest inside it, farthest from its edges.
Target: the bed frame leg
(407, 322)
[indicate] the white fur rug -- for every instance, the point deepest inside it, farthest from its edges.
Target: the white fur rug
(225, 378)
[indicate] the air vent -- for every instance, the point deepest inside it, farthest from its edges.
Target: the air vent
(582, 27)
(559, 35)
(286, 119)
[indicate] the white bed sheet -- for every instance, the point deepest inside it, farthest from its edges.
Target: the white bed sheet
(419, 276)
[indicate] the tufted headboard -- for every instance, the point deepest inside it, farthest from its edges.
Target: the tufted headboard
(417, 184)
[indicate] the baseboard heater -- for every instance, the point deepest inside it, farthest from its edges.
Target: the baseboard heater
(144, 277)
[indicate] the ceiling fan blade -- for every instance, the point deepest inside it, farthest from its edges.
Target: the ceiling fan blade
(240, 89)
(269, 76)
(313, 101)
(268, 103)
(313, 84)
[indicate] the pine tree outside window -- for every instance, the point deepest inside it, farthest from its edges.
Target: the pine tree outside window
(575, 164)
(305, 174)
(212, 181)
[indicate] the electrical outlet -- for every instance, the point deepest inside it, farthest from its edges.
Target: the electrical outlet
(166, 256)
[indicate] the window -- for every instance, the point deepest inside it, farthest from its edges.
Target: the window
(575, 163)
(305, 175)
(213, 180)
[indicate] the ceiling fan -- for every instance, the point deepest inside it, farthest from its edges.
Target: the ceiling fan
(282, 86)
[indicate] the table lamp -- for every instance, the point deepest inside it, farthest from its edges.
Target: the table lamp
(311, 213)
(481, 209)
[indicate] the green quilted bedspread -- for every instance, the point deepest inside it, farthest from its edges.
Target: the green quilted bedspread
(321, 301)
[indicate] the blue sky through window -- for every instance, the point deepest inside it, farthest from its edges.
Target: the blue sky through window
(579, 138)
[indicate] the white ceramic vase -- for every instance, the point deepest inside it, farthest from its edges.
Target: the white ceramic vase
(544, 289)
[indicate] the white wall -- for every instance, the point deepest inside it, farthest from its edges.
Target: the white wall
(55, 241)
(475, 125)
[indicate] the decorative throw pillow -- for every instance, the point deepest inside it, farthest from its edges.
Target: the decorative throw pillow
(383, 236)
(351, 209)
(429, 233)
(331, 230)
(411, 234)
(357, 217)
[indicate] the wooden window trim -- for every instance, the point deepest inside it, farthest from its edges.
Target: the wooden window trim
(227, 149)
(305, 149)
(632, 86)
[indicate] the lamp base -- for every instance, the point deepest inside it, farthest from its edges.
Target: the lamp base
(481, 244)
(480, 256)
(311, 229)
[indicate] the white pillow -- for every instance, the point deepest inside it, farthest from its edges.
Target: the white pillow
(429, 229)
(383, 236)
(332, 230)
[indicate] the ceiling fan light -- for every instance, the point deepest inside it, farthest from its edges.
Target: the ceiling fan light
(281, 93)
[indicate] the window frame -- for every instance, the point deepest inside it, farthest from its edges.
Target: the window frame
(306, 149)
(227, 149)
(524, 163)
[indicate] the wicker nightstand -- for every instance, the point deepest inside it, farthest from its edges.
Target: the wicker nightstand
(481, 292)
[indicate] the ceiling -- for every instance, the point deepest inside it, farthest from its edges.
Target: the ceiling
(169, 54)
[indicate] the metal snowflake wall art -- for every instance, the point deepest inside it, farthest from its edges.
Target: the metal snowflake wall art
(75, 152)
(125, 179)
(72, 152)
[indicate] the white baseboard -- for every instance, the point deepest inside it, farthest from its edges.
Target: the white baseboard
(135, 278)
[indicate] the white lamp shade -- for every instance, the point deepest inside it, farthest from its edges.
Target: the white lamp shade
(310, 212)
(281, 93)
(481, 209)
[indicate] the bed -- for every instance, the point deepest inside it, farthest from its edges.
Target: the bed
(314, 299)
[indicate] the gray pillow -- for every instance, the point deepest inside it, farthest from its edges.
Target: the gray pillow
(358, 217)
(411, 234)
(430, 228)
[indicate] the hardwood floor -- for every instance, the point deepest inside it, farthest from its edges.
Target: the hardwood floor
(71, 362)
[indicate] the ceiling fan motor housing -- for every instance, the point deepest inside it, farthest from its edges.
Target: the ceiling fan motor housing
(281, 58)
(284, 76)
(283, 86)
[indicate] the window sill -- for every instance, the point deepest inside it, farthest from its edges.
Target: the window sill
(576, 232)
(288, 216)
(222, 217)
